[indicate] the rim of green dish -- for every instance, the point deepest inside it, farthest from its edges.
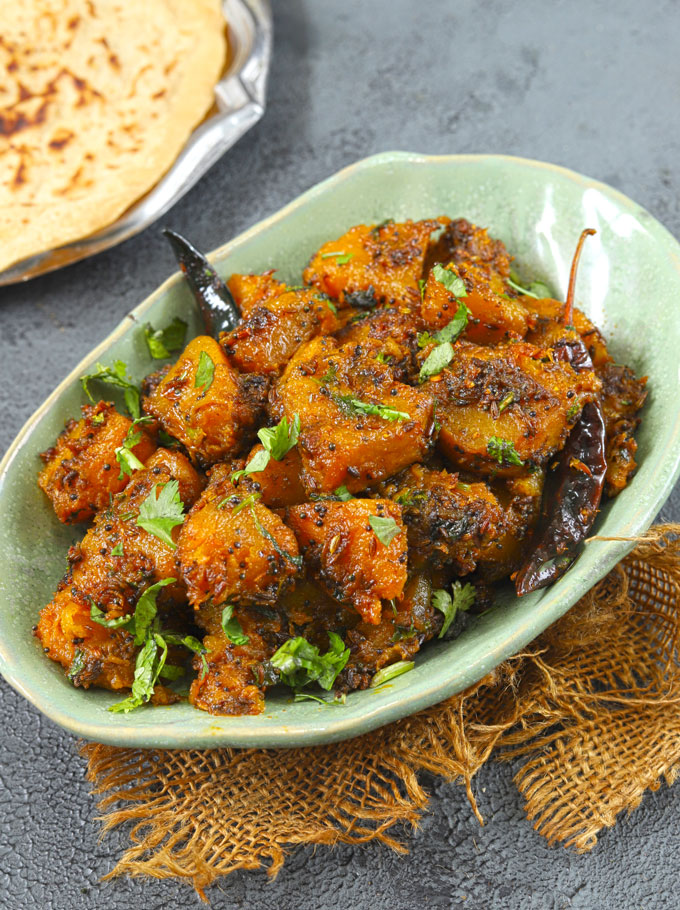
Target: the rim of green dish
(399, 703)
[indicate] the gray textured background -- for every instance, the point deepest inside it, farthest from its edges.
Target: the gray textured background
(591, 85)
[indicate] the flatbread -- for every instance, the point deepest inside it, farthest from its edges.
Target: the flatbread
(97, 99)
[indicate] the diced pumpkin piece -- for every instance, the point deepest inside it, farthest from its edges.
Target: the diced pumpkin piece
(449, 523)
(507, 409)
(233, 682)
(521, 498)
(115, 562)
(205, 404)
(463, 242)
(81, 471)
(271, 333)
(280, 483)
(250, 291)
(397, 327)
(546, 319)
(232, 548)
(401, 632)
(372, 264)
(623, 395)
(357, 424)
(492, 318)
(340, 544)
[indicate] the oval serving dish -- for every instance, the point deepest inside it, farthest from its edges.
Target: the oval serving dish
(629, 284)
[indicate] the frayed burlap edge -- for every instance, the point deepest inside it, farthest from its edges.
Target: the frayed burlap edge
(592, 710)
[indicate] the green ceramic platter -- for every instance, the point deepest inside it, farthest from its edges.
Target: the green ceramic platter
(629, 283)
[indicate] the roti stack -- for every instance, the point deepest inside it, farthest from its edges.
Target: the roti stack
(97, 99)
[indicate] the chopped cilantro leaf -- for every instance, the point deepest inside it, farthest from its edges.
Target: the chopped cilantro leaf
(342, 493)
(384, 528)
(295, 560)
(246, 503)
(118, 550)
(340, 257)
(506, 402)
(146, 610)
(77, 666)
(452, 282)
(461, 599)
(503, 452)
(300, 663)
(453, 329)
(537, 289)
(367, 407)
(573, 411)
(125, 457)
(232, 627)
(99, 616)
(436, 360)
(257, 463)
(162, 342)
(279, 440)
(205, 372)
(115, 376)
(162, 511)
(387, 673)
(147, 670)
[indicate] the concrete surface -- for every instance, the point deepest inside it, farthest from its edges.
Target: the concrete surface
(591, 85)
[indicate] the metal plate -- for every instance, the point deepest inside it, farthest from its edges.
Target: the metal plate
(240, 102)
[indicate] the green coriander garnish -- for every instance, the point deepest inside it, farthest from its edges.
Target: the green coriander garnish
(76, 666)
(340, 257)
(442, 355)
(461, 599)
(277, 442)
(205, 372)
(537, 289)
(246, 503)
(118, 550)
(438, 358)
(125, 457)
(300, 663)
(162, 511)
(388, 673)
(367, 407)
(232, 627)
(162, 342)
(452, 282)
(506, 402)
(384, 528)
(503, 451)
(115, 376)
(573, 411)
(99, 616)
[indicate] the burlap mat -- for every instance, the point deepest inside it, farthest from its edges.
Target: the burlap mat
(591, 708)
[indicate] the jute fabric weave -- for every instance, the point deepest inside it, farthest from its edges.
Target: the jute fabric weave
(591, 710)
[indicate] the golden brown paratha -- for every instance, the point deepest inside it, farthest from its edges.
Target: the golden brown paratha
(97, 98)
